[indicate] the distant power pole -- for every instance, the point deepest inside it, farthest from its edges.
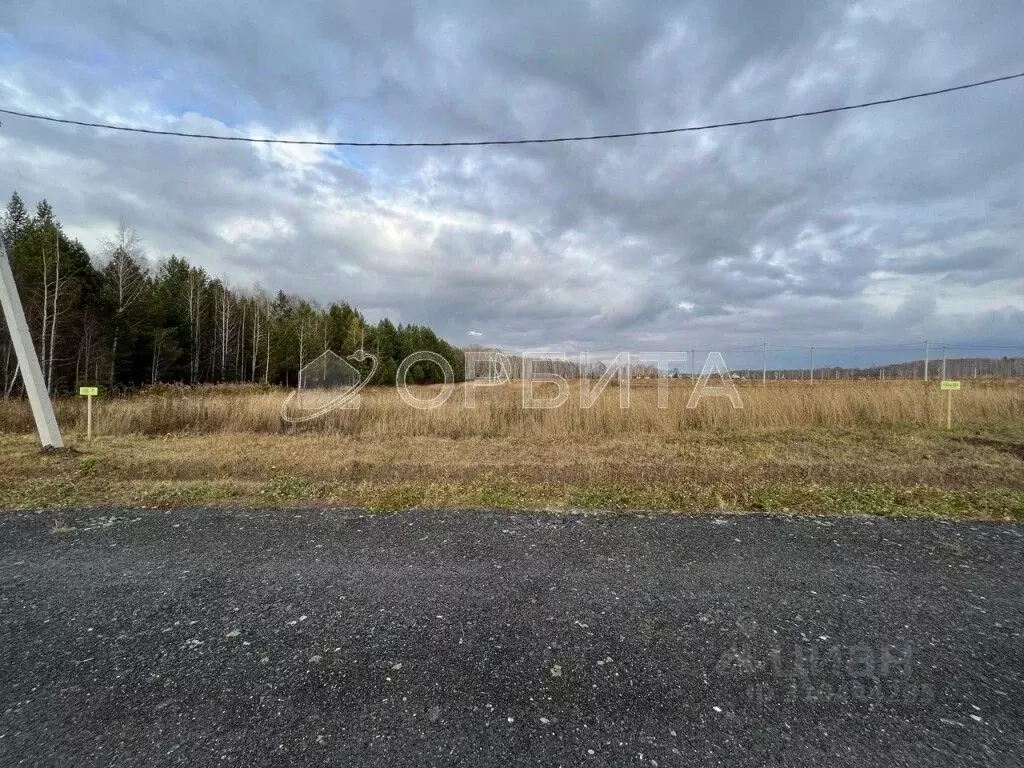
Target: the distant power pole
(926, 361)
(693, 364)
(812, 365)
(943, 362)
(31, 373)
(764, 364)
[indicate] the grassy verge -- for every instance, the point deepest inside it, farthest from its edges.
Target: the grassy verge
(976, 474)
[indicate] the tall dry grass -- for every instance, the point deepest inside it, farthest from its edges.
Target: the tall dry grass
(499, 411)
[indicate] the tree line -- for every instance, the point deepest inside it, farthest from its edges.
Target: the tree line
(956, 368)
(114, 319)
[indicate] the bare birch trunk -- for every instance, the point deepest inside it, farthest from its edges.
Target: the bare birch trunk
(46, 309)
(53, 319)
(266, 363)
(240, 349)
(255, 338)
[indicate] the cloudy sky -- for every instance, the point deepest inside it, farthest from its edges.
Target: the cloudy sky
(881, 226)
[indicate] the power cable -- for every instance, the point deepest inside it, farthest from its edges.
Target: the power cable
(496, 142)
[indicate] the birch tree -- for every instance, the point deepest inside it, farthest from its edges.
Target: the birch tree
(258, 301)
(194, 294)
(225, 325)
(125, 283)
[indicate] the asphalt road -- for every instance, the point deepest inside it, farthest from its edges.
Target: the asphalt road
(325, 637)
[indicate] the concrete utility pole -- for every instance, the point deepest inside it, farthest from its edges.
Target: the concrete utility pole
(31, 373)
(764, 364)
(812, 365)
(926, 361)
(943, 362)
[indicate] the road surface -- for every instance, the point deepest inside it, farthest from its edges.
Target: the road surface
(330, 637)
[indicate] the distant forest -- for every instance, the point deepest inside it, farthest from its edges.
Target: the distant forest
(117, 320)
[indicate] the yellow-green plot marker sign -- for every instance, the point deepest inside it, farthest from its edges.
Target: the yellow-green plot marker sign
(88, 393)
(950, 386)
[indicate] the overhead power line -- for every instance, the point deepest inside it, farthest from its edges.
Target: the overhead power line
(893, 347)
(496, 142)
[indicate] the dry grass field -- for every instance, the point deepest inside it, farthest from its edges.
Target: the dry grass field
(499, 411)
(861, 447)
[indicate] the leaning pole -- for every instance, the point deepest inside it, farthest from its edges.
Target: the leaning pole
(31, 373)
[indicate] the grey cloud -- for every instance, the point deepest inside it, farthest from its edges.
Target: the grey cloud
(982, 258)
(777, 229)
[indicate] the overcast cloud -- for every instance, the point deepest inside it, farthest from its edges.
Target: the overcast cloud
(880, 226)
